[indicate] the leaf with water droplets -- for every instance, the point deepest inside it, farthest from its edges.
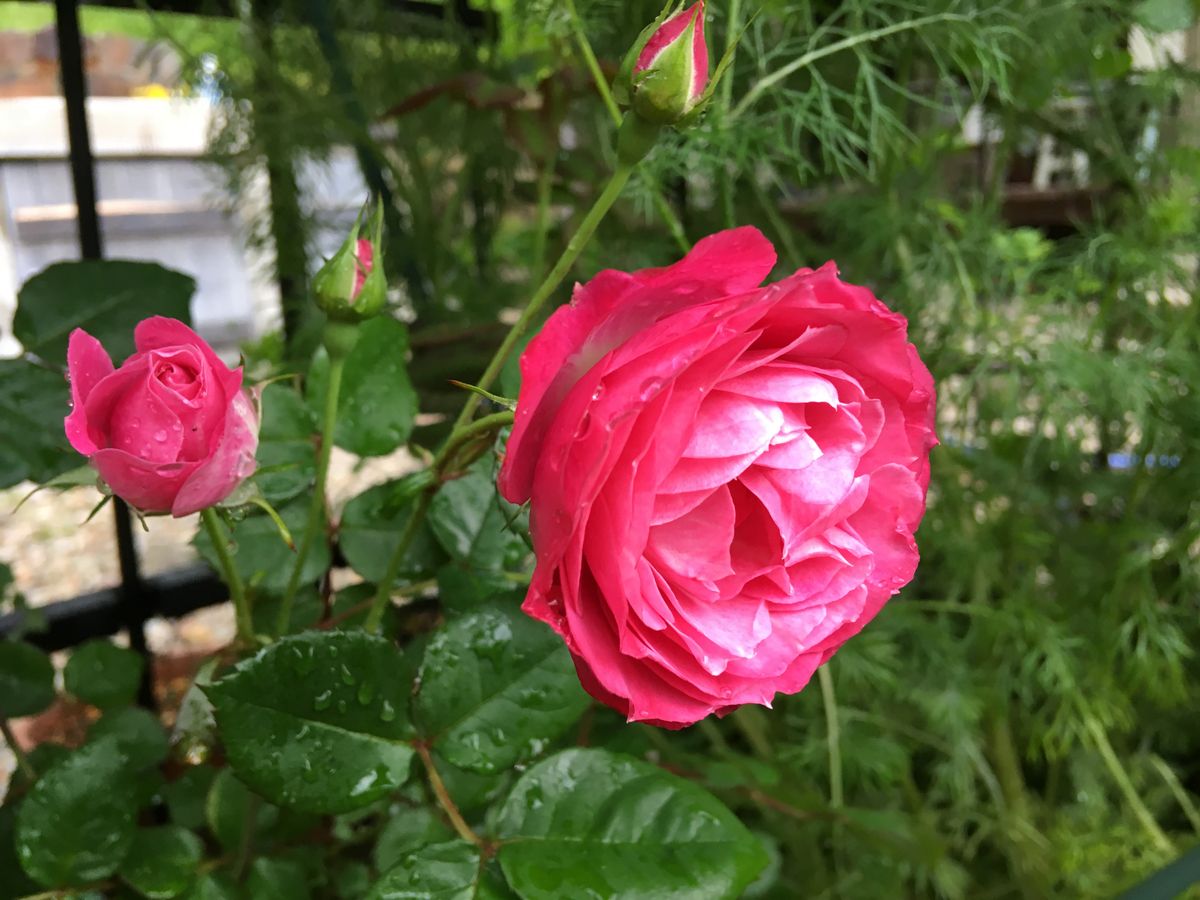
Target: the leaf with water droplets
(448, 871)
(77, 823)
(103, 674)
(162, 861)
(475, 525)
(496, 687)
(26, 679)
(590, 823)
(317, 720)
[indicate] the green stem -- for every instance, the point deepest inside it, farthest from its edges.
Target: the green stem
(383, 591)
(237, 592)
(589, 59)
(1125, 785)
(316, 508)
(833, 737)
(661, 206)
(22, 760)
(574, 247)
(445, 800)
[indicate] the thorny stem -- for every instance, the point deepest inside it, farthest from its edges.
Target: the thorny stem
(444, 799)
(237, 591)
(337, 364)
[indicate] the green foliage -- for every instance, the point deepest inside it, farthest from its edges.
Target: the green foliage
(1018, 723)
(26, 679)
(318, 721)
(103, 674)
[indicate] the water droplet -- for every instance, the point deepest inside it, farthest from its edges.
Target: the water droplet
(160, 435)
(323, 701)
(387, 712)
(347, 675)
(341, 706)
(598, 392)
(366, 692)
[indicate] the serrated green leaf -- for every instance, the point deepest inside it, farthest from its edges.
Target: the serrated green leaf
(472, 521)
(286, 452)
(277, 879)
(162, 861)
(78, 822)
(26, 679)
(228, 806)
(212, 887)
(14, 882)
(106, 298)
(33, 403)
(370, 529)
(376, 403)
(589, 823)
(262, 558)
(448, 871)
(138, 733)
(185, 796)
(103, 674)
(410, 828)
(496, 687)
(318, 721)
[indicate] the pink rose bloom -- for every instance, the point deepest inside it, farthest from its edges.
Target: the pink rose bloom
(724, 478)
(171, 430)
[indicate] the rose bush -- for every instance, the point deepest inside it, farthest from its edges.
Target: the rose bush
(171, 430)
(724, 478)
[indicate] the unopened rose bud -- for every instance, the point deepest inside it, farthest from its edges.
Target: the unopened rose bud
(351, 286)
(665, 75)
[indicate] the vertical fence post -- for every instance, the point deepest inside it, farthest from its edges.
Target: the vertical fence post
(74, 88)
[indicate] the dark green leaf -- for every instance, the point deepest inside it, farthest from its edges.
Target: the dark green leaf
(105, 298)
(262, 558)
(26, 679)
(496, 687)
(471, 521)
(77, 823)
(277, 879)
(351, 879)
(318, 721)
(33, 403)
(448, 871)
(185, 796)
(13, 880)
(588, 823)
(409, 829)
(138, 733)
(162, 861)
(376, 404)
(229, 804)
(1165, 15)
(286, 452)
(370, 529)
(212, 887)
(103, 674)
(461, 588)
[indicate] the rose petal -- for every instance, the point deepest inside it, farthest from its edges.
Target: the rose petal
(87, 365)
(146, 486)
(230, 464)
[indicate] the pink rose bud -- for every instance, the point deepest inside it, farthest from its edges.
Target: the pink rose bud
(171, 430)
(724, 478)
(351, 286)
(665, 75)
